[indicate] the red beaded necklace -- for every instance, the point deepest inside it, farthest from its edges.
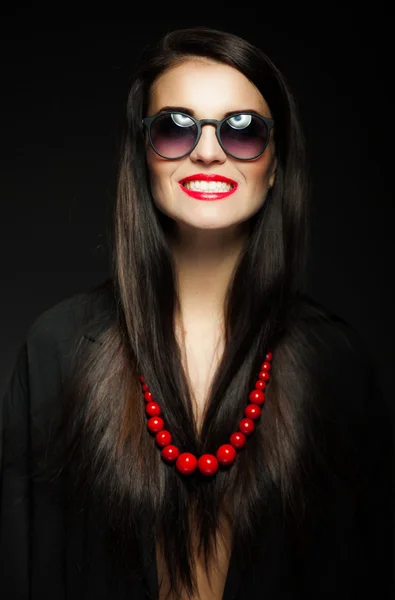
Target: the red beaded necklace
(207, 464)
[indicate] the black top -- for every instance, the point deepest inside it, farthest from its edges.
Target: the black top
(347, 550)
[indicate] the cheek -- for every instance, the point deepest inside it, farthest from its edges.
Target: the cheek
(257, 174)
(257, 178)
(160, 177)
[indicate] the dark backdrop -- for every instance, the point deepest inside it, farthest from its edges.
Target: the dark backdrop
(65, 82)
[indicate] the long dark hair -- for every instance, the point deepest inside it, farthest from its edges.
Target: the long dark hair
(109, 452)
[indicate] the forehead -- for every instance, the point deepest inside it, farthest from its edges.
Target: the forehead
(210, 89)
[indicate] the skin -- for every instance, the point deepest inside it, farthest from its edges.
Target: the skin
(209, 236)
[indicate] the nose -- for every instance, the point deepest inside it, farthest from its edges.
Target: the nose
(208, 149)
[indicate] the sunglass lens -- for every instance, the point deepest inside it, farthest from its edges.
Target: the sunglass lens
(244, 136)
(173, 135)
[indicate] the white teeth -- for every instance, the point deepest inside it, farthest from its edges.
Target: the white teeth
(208, 186)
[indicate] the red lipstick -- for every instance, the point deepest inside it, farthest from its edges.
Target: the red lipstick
(203, 195)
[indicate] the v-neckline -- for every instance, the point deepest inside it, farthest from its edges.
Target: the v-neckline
(232, 582)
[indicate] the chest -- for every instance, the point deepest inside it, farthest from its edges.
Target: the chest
(201, 354)
(201, 351)
(210, 584)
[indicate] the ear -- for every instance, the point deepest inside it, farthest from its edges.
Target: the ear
(273, 173)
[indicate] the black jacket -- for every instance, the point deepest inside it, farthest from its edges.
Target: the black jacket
(348, 552)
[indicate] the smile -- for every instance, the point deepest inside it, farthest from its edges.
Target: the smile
(208, 186)
(203, 186)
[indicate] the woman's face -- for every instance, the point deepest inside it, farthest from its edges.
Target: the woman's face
(209, 90)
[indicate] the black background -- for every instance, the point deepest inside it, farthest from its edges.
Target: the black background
(65, 79)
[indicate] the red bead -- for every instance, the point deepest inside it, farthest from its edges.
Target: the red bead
(148, 397)
(269, 356)
(264, 375)
(163, 438)
(246, 426)
(145, 387)
(260, 384)
(257, 397)
(170, 453)
(238, 440)
(153, 409)
(186, 463)
(226, 454)
(266, 366)
(208, 464)
(252, 411)
(142, 378)
(155, 424)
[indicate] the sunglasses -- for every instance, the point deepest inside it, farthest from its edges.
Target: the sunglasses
(174, 135)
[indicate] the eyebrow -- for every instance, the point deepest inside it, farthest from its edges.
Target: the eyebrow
(189, 111)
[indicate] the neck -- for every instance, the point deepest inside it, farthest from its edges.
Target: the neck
(205, 261)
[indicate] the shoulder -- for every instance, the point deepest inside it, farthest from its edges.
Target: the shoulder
(46, 356)
(344, 367)
(331, 337)
(76, 316)
(330, 331)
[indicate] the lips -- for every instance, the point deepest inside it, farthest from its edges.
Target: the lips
(208, 177)
(205, 194)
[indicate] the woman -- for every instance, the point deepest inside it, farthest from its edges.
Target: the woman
(198, 426)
